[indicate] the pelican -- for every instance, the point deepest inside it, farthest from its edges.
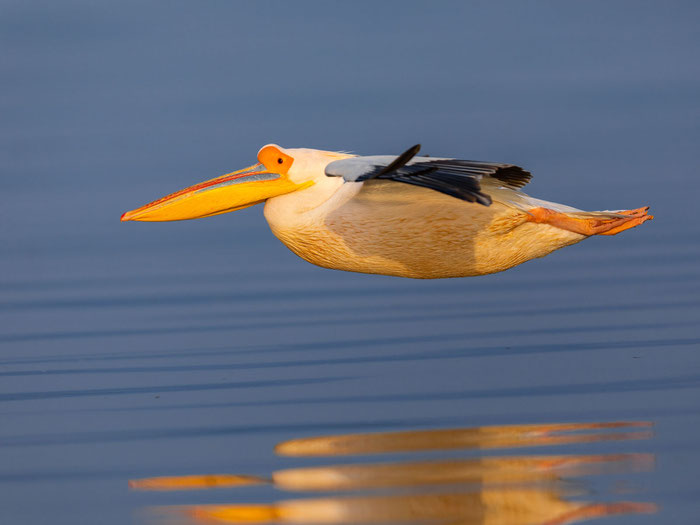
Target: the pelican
(406, 215)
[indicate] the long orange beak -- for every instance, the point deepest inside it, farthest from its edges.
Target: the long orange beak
(230, 192)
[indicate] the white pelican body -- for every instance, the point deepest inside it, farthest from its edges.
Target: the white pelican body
(375, 227)
(384, 226)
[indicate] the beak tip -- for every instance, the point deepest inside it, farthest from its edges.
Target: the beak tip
(126, 216)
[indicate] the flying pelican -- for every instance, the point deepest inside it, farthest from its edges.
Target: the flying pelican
(409, 216)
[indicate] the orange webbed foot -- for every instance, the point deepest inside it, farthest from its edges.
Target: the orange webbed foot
(629, 223)
(591, 225)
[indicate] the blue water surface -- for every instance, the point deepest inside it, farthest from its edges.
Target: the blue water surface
(133, 350)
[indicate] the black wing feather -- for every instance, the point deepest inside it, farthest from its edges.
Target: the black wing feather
(454, 177)
(400, 161)
(510, 175)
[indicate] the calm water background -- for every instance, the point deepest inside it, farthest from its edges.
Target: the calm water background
(134, 350)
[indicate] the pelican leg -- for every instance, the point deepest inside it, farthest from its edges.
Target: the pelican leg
(591, 225)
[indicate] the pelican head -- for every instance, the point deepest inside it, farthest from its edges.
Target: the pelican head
(278, 171)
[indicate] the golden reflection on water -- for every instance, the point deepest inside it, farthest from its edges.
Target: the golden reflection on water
(491, 506)
(464, 438)
(493, 490)
(484, 471)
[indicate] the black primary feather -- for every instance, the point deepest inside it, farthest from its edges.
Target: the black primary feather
(400, 161)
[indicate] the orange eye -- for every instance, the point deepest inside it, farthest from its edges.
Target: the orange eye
(274, 160)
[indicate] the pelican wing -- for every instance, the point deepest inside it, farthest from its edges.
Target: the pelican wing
(455, 177)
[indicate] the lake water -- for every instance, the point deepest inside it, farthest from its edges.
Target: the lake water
(563, 389)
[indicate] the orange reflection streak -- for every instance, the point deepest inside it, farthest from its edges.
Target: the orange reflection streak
(492, 507)
(462, 438)
(206, 481)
